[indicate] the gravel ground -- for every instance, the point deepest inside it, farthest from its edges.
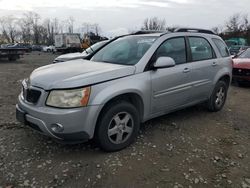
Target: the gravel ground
(188, 148)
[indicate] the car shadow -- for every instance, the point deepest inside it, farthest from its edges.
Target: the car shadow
(151, 125)
(241, 85)
(169, 119)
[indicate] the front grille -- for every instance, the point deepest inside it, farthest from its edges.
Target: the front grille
(31, 95)
(241, 72)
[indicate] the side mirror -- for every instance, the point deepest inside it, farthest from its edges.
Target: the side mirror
(164, 62)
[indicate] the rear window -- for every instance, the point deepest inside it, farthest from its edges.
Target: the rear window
(221, 47)
(200, 49)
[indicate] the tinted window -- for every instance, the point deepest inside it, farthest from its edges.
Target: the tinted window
(126, 50)
(174, 48)
(200, 49)
(221, 47)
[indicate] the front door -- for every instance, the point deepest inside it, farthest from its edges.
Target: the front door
(171, 86)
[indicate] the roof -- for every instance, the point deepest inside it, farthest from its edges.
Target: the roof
(178, 30)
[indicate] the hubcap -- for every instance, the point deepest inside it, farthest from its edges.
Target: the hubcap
(220, 97)
(120, 128)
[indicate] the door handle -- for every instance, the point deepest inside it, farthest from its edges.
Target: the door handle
(186, 70)
(214, 64)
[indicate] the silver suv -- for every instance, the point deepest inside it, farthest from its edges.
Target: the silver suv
(131, 80)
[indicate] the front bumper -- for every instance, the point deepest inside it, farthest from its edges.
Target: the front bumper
(78, 123)
(241, 78)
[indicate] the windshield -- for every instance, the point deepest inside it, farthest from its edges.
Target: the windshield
(245, 54)
(126, 50)
(94, 47)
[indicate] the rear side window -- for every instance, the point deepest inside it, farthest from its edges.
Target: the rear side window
(200, 49)
(221, 47)
(174, 48)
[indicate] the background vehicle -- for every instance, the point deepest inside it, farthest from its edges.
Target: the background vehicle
(234, 50)
(5, 45)
(68, 42)
(236, 45)
(49, 48)
(131, 80)
(236, 41)
(78, 55)
(37, 48)
(26, 47)
(12, 53)
(241, 68)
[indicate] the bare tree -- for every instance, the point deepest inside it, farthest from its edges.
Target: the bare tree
(217, 29)
(91, 28)
(36, 26)
(29, 24)
(70, 23)
(9, 28)
(97, 29)
(56, 25)
(234, 24)
(245, 22)
(50, 31)
(154, 24)
(26, 29)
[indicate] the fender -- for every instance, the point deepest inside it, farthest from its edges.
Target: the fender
(109, 90)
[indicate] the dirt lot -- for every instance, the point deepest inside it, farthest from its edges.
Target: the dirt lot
(189, 148)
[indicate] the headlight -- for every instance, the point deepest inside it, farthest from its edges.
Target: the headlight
(69, 98)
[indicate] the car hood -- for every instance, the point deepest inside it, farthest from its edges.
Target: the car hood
(71, 55)
(242, 63)
(77, 73)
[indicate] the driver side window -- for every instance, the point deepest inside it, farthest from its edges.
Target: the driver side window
(174, 48)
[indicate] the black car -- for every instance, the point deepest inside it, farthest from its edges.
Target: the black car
(37, 48)
(27, 47)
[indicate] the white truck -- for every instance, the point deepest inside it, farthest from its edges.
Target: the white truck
(68, 42)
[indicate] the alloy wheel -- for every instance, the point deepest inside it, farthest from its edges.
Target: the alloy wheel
(120, 128)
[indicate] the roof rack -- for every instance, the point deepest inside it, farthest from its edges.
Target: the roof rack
(141, 32)
(195, 30)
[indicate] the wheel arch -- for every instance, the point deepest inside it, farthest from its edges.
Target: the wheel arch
(131, 97)
(224, 74)
(226, 78)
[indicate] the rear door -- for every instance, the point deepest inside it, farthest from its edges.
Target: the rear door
(204, 66)
(171, 86)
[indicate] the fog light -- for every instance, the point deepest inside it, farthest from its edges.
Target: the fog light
(57, 127)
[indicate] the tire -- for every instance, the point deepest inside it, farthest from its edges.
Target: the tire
(218, 97)
(117, 126)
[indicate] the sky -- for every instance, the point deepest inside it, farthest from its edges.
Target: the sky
(121, 16)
